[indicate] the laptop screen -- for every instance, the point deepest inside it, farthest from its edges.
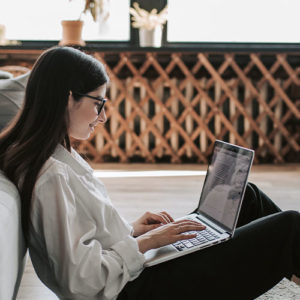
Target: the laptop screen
(225, 184)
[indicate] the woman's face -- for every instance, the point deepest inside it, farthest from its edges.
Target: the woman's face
(83, 114)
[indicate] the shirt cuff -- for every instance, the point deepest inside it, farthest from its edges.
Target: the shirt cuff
(131, 230)
(129, 251)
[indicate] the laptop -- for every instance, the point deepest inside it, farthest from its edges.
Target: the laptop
(219, 205)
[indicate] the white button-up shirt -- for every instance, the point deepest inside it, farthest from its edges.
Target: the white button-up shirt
(80, 246)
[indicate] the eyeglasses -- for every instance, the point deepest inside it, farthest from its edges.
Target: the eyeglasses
(101, 99)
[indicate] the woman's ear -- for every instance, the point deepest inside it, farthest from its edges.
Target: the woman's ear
(71, 95)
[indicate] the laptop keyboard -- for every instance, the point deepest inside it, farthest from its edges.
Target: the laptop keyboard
(202, 237)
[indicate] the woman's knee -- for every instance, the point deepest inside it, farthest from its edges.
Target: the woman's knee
(250, 201)
(291, 217)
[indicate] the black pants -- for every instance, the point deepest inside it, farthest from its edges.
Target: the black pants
(264, 250)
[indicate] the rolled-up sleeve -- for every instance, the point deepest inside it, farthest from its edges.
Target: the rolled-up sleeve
(131, 259)
(84, 267)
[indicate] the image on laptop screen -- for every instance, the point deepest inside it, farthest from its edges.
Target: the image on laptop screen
(224, 185)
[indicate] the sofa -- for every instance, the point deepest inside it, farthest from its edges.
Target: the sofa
(12, 91)
(13, 251)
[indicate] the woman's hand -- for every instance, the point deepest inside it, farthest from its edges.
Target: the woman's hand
(168, 234)
(149, 221)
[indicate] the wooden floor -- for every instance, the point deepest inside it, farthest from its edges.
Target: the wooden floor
(174, 188)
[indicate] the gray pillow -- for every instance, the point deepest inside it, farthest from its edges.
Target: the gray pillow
(12, 93)
(5, 75)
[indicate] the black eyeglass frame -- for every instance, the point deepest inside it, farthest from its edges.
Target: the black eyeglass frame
(101, 99)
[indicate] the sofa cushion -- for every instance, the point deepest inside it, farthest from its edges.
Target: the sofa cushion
(12, 91)
(12, 245)
(5, 75)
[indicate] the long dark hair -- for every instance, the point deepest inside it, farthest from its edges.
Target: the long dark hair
(42, 123)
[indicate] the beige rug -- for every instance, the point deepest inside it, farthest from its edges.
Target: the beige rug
(284, 290)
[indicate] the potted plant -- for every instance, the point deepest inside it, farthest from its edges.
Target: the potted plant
(150, 24)
(72, 29)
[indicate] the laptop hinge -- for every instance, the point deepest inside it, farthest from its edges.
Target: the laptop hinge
(211, 224)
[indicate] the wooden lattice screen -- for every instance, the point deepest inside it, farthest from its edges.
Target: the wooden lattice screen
(171, 107)
(168, 106)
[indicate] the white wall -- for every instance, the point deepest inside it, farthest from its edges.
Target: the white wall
(40, 19)
(234, 21)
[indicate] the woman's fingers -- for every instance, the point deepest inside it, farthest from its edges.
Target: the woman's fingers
(167, 216)
(187, 221)
(162, 217)
(157, 218)
(185, 236)
(188, 226)
(177, 227)
(168, 233)
(182, 230)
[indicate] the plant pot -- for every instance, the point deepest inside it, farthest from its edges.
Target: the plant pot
(150, 38)
(72, 33)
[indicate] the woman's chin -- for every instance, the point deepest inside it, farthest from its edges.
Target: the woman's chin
(81, 137)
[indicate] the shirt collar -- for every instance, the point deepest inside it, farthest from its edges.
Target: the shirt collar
(73, 159)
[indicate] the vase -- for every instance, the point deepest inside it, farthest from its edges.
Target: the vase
(72, 33)
(150, 38)
(2, 35)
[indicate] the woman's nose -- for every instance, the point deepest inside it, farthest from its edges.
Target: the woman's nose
(102, 116)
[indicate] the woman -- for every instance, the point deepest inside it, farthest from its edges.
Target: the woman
(80, 246)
